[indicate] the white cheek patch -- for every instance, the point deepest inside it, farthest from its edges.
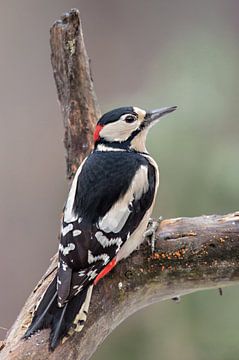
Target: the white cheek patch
(118, 130)
(121, 130)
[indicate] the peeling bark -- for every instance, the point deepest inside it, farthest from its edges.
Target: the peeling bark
(191, 254)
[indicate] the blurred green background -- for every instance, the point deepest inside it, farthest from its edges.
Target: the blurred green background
(148, 54)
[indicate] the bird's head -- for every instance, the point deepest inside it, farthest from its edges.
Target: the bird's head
(126, 127)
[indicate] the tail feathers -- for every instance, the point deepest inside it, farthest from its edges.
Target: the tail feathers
(58, 328)
(73, 319)
(62, 321)
(43, 315)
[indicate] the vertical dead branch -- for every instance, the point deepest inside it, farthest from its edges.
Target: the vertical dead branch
(74, 85)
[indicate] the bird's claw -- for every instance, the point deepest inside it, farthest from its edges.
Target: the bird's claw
(151, 232)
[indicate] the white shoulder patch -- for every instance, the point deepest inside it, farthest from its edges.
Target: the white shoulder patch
(140, 183)
(115, 219)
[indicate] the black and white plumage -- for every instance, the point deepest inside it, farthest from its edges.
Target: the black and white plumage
(105, 217)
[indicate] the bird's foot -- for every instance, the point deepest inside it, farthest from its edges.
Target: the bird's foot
(151, 232)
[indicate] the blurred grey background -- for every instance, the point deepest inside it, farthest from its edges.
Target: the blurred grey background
(145, 53)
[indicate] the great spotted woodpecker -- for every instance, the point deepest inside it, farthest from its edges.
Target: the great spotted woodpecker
(105, 217)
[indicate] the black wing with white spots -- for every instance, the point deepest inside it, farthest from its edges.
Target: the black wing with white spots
(100, 227)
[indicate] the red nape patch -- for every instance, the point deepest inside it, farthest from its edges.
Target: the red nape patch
(97, 132)
(105, 271)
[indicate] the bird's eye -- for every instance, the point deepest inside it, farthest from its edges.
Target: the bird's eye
(130, 119)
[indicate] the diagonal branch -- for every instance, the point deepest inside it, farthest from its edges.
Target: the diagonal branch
(191, 254)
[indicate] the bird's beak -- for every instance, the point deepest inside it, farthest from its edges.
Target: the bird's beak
(153, 116)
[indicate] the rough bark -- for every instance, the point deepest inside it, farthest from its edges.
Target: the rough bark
(74, 85)
(191, 254)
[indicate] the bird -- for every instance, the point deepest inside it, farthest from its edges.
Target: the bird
(104, 218)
